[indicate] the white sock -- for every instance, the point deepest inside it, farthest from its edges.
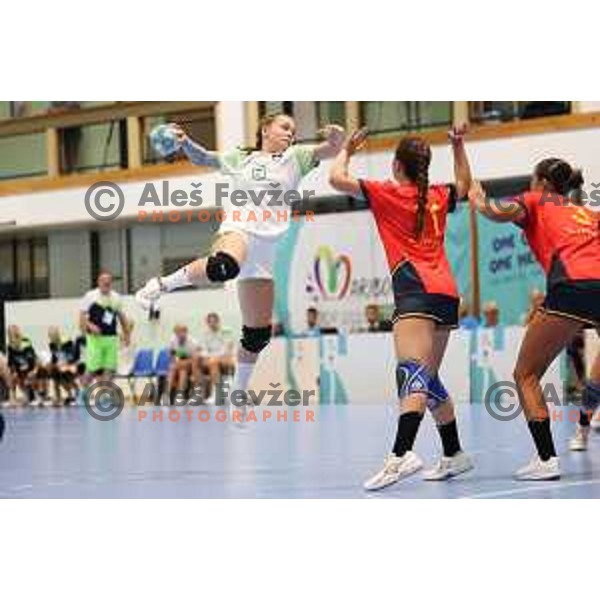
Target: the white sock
(176, 280)
(243, 373)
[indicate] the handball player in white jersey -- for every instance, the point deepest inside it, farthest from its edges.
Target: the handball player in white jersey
(245, 248)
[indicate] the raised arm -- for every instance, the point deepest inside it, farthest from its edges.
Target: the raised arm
(197, 154)
(339, 178)
(501, 211)
(332, 144)
(462, 170)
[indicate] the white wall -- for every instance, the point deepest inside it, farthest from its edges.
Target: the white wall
(586, 106)
(231, 124)
(189, 307)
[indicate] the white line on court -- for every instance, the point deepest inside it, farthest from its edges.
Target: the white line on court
(540, 487)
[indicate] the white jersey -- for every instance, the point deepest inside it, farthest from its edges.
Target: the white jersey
(266, 184)
(183, 348)
(217, 343)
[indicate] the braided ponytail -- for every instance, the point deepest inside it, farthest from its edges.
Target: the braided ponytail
(422, 181)
(415, 156)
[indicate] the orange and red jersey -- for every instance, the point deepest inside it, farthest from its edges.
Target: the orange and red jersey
(564, 237)
(418, 264)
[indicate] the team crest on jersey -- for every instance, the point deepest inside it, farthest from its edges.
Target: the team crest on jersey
(259, 172)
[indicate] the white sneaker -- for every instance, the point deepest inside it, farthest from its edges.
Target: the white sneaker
(394, 469)
(539, 470)
(149, 295)
(579, 442)
(449, 466)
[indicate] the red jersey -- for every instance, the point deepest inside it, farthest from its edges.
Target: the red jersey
(564, 237)
(418, 265)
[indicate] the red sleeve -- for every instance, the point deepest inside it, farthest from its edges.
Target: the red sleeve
(529, 202)
(374, 192)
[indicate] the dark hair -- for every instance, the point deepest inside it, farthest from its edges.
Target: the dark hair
(560, 175)
(414, 154)
(102, 272)
(312, 310)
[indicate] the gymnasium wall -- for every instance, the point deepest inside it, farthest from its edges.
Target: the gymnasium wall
(188, 307)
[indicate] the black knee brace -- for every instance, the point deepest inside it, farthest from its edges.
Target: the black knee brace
(222, 267)
(255, 339)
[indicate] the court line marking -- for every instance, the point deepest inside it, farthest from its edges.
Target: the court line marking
(540, 487)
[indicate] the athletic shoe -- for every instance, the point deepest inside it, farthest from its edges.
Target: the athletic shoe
(449, 466)
(36, 402)
(394, 469)
(149, 295)
(539, 470)
(579, 442)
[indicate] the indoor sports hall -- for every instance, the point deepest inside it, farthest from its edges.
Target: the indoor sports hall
(141, 285)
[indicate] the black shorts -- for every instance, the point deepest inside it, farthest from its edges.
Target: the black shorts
(579, 300)
(438, 307)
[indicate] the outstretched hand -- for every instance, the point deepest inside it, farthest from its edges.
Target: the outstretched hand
(457, 134)
(333, 134)
(356, 140)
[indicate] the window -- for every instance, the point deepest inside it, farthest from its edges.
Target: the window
(198, 124)
(309, 116)
(24, 272)
(388, 117)
(7, 263)
(270, 107)
(509, 110)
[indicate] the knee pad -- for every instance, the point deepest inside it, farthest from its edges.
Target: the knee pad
(221, 267)
(438, 394)
(412, 377)
(591, 396)
(255, 339)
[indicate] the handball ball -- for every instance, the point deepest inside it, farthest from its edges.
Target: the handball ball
(164, 140)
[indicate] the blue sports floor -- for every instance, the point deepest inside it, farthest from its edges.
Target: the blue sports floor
(64, 453)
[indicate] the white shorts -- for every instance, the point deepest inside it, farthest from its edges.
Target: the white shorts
(262, 250)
